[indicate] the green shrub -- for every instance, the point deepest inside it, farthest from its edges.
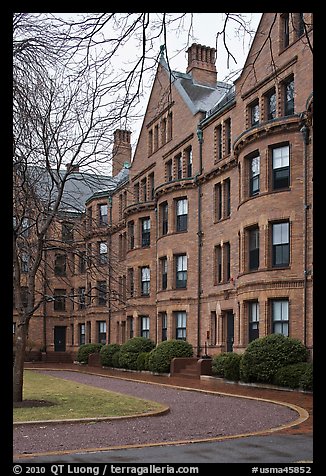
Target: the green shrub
(115, 360)
(306, 381)
(232, 366)
(142, 361)
(291, 375)
(160, 358)
(85, 350)
(218, 364)
(107, 352)
(264, 356)
(130, 350)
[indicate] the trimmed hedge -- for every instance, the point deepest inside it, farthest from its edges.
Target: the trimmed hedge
(232, 366)
(266, 355)
(130, 350)
(85, 350)
(115, 360)
(306, 382)
(218, 364)
(160, 358)
(142, 361)
(107, 352)
(292, 375)
(227, 365)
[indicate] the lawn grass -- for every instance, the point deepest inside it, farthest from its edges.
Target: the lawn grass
(75, 400)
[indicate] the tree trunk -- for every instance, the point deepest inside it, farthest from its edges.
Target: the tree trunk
(18, 372)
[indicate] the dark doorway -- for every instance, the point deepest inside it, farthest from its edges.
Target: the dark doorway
(229, 331)
(59, 339)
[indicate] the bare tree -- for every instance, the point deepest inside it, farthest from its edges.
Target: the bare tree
(68, 98)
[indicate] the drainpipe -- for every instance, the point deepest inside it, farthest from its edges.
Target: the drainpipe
(305, 135)
(110, 266)
(200, 235)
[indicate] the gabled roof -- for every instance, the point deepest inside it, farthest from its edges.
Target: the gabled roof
(198, 97)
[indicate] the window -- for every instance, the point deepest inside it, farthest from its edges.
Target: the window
(188, 153)
(103, 252)
(130, 326)
(131, 235)
(228, 136)
(81, 298)
(300, 24)
(285, 30)
(25, 227)
(151, 186)
(270, 103)
(218, 135)
(218, 201)
(254, 175)
(163, 131)
(181, 271)
(253, 308)
(144, 326)
(156, 137)
(60, 265)
(281, 167)
(103, 214)
(288, 91)
(227, 261)
(60, 299)
(82, 262)
(120, 206)
(218, 264)
(178, 166)
(254, 113)
(181, 325)
(165, 218)
(145, 280)
(164, 272)
(131, 281)
(145, 232)
(67, 232)
(82, 334)
(281, 244)
(164, 319)
(24, 262)
(169, 176)
(169, 126)
(101, 329)
(101, 293)
(136, 192)
(280, 316)
(253, 238)
(227, 197)
(144, 190)
(182, 214)
(150, 142)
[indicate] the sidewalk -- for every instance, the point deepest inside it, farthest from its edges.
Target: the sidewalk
(304, 400)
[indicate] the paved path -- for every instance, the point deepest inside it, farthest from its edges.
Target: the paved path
(254, 449)
(184, 422)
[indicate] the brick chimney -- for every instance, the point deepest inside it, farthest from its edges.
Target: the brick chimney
(201, 64)
(121, 151)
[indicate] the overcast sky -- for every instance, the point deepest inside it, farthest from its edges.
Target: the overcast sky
(204, 29)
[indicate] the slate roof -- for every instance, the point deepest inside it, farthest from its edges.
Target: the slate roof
(79, 187)
(198, 97)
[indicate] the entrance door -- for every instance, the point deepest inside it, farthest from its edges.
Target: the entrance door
(229, 331)
(59, 339)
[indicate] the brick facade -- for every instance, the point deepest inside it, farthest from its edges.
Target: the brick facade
(244, 234)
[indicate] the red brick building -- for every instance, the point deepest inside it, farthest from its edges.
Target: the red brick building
(206, 233)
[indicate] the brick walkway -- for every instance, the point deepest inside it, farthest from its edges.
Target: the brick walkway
(304, 400)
